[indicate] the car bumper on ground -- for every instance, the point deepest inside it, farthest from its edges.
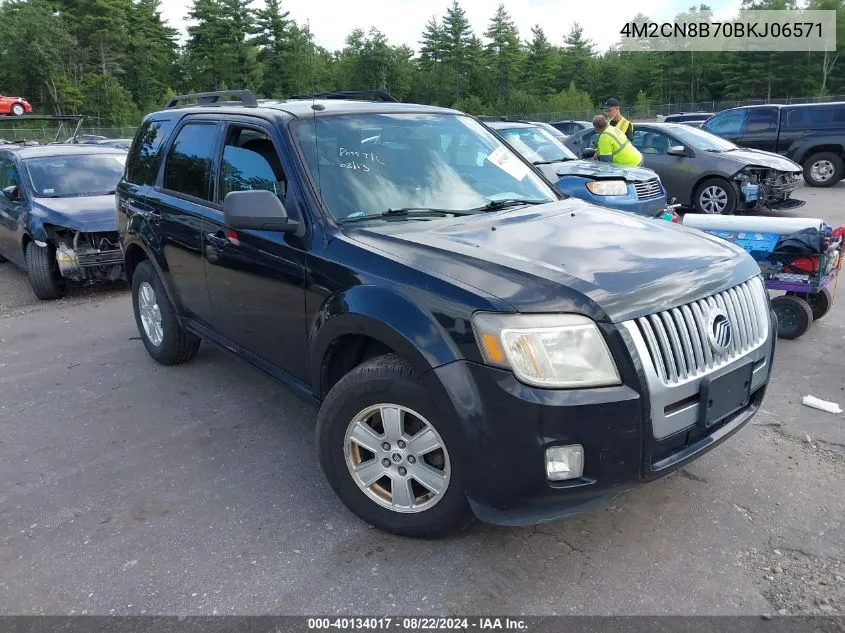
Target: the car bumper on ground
(507, 427)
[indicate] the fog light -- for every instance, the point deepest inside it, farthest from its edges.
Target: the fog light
(565, 462)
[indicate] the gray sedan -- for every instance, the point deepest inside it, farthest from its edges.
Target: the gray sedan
(708, 173)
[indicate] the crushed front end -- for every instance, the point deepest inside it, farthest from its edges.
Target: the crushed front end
(87, 257)
(766, 188)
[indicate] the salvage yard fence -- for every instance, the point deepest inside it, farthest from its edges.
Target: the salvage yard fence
(651, 112)
(45, 132)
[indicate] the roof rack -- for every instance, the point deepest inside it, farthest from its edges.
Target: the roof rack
(245, 98)
(375, 95)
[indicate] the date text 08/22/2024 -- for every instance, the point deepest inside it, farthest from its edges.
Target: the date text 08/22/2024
(416, 623)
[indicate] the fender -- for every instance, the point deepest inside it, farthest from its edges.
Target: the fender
(132, 241)
(385, 315)
(802, 148)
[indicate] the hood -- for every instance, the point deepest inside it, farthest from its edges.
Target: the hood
(569, 256)
(770, 160)
(597, 170)
(91, 214)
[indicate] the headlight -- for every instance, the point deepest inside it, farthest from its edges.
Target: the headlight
(608, 187)
(546, 350)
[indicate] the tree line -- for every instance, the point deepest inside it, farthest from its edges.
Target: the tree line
(117, 59)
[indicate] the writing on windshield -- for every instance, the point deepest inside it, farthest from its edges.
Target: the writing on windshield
(365, 164)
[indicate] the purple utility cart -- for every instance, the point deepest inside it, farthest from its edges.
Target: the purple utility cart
(808, 296)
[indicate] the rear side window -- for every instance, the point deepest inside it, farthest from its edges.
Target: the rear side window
(142, 164)
(762, 120)
(188, 166)
(815, 117)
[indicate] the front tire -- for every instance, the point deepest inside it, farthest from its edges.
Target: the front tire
(18, 110)
(388, 454)
(162, 334)
(824, 169)
(715, 196)
(43, 272)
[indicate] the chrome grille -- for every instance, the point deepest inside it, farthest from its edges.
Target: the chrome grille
(648, 189)
(677, 339)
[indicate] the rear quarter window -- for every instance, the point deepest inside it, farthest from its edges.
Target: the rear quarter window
(814, 118)
(144, 156)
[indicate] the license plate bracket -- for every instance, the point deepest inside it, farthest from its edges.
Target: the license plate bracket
(725, 393)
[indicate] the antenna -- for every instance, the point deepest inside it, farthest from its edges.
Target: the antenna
(313, 65)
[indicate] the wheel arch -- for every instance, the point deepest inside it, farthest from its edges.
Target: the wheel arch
(805, 152)
(364, 321)
(135, 252)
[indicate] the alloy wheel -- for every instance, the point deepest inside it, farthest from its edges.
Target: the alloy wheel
(150, 314)
(713, 199)
(397, 458)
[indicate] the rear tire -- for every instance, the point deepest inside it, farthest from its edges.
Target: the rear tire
(395, 501)
(824, 169)
(162, 334)
(715, 196)
(43, 272)
(794, 316)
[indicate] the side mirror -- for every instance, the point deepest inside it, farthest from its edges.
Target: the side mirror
(677, 150)
(589, 152)
(11, 193)
(257, 209)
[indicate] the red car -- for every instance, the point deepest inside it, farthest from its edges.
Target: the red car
(14, 105)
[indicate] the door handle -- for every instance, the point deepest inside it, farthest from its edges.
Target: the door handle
(217, 241)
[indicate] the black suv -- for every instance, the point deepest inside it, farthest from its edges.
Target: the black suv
(478, 344)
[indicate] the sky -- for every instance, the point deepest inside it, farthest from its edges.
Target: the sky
(402, 21)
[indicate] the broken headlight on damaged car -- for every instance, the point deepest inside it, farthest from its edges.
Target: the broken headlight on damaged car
(547, 350)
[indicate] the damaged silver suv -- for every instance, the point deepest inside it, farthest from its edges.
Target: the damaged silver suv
(57, 214)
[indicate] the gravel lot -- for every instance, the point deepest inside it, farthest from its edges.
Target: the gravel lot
(126, 487)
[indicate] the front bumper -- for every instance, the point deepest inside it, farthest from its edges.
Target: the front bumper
(506, 427)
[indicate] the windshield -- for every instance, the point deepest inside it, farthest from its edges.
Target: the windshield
(75, 175)
(536, 144)
(699, 139)
(368, 164)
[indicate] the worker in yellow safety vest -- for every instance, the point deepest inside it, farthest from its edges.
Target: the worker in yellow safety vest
(615, 118)
(613, 146)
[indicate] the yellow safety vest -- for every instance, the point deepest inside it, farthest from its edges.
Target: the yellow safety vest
(615, 144)
(622, 124)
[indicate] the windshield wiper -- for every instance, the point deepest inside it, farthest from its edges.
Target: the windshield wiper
(406, 212)
(497, 205)
(549, 162)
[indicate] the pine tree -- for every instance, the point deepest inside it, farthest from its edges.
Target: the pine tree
(272, 30)
(457, 38)
(220, 54)
(151, 54)
(540, 64)
(576, 60)
(504, 54)
(101, 28)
